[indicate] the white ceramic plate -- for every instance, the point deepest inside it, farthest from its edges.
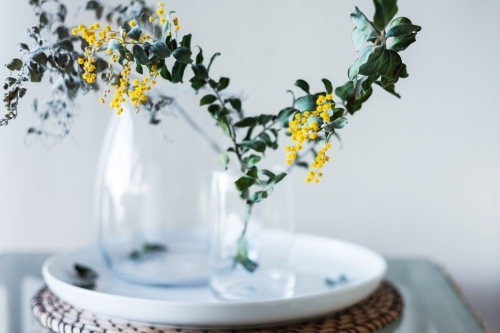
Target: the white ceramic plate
(317, 259)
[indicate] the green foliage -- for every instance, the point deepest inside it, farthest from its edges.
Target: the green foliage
(183, 55)
(15, 64)
(85, 277)
(242, 255)
(147, 249)
(385, 10)
(160, 50)
(302, 85)
(306, 103)
(378, 42)
(140, 55)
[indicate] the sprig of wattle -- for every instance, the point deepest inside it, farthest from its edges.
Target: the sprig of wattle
(318, 117)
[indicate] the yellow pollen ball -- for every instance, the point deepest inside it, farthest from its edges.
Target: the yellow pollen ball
(159, 11)
(74, 31)
(163, 20)
(151, 19)
(131, 23)
(80, 61)
(136, 82)
(329, 97)
(160, 4)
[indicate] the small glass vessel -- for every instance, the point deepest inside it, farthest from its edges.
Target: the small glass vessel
(250, 252)
(152, 196)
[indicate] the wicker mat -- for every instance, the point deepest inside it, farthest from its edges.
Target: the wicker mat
(383, 307)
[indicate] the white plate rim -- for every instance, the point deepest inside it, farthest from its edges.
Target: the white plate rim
(375, 279)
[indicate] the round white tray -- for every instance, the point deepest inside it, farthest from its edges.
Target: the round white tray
(317, 259)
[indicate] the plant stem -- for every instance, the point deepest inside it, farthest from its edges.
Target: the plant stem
(233, 137)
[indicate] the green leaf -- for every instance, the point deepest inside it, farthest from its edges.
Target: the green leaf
(253, 172)
(200, 71)
(337, 113)
(15, 64)
(385, 10)
(35, 75)
(368, 54)
(223, 83)
(138, 68)
(214, 109)
(183, 54)
(302, 85)
(257, 145)
(276, 179)
(399, 44)
(153, 247)
(345, 91)
(267, 139)
(212, 59)
(199, 57)
(251, 160)
(186, 41)
(40, 58)
(224, 159)
(160, 50)
(165, 73)
(306, 103)
(85, 272)
(328, 86)
(285, 114)
(362, 83)
(224, 125)
(257, 197)
(165, 30)
(390, 89)
(339, 123)
(403, 73)
(197, 84)
(135, 33)
(242, 255)
(235, 103)
(244, 182)
(207, 99)
(115, 45)
(140, 56)
(376, 61)
(364, 30)
(401, 27)
(178, 71)
(246, 122)
(265, 118)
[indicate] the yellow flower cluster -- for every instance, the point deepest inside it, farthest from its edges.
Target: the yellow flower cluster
(137, 95)
(95, 37)
(319, 161)
(305, 127)
(120, 90)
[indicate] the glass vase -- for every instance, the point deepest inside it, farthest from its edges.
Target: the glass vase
(250, 247)
(153, 188)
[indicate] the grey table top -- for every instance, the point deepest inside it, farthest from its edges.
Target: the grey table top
(432, 304)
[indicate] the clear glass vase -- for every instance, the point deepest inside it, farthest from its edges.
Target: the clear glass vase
(251, 251)
(153, 187)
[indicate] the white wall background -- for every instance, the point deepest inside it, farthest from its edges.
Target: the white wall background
(418, 176)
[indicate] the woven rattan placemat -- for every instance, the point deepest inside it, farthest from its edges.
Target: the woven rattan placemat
(380, 309)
